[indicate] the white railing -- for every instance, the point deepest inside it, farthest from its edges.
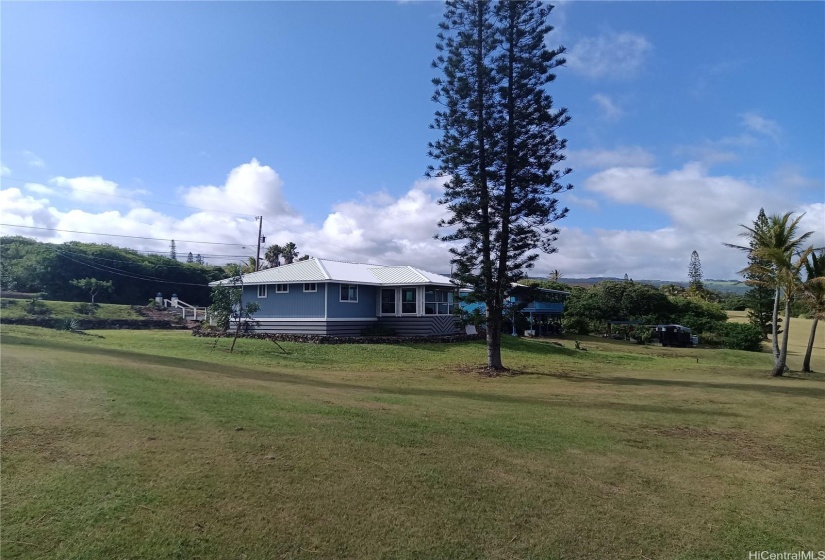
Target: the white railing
(187, 311)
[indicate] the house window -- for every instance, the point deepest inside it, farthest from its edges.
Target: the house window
(262, 290)
(281, 288)
(349, 292)
(438, 301)
(310, 287)
(388, 301)
(408, 300)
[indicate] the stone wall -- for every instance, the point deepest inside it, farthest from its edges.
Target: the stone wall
(320, 339)
(92, 324)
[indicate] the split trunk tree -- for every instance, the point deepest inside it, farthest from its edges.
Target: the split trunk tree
(499, 149)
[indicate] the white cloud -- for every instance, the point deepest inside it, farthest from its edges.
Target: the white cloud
(610, 109)
(622, 156)
(17, 208)
(37, 188)
(759, 124)
(376, 228)
(703, 212)
(689, 196)
(609, 55)
(814, 220)
(32, 159)
(251, 188)
(4, 171)
(88, 189)
(581, 202)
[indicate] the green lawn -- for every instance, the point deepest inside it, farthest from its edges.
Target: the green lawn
(16, 308)
(162, 445)
(797, 341)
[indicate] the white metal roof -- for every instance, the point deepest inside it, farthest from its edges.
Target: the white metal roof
(325, 270)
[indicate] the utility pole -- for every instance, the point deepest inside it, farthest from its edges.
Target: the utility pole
(258, 255)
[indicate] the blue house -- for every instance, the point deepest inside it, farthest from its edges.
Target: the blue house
(326, 297)
(542, 307)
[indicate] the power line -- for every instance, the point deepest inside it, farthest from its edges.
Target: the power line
(114, 271)
(327, 242)
(128, 236)
(126, 197)
(304, 235)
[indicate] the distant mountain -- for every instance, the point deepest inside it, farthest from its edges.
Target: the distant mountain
(724, 286)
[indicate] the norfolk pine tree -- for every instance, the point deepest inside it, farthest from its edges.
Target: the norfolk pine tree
(498, 147)
(695, 273)
(760, 298)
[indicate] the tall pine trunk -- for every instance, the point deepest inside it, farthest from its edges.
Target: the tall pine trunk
(779, 366)
(494, 363)
(775, 327)
(806, 364)
(493, 321)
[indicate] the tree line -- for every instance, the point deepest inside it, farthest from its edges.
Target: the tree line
(590, 310)
(71, 271)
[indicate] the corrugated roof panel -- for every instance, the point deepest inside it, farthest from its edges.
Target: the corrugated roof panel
(397, 275)
(319, 270)
(435, 278)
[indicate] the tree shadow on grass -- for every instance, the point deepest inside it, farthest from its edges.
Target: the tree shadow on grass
(239, 372)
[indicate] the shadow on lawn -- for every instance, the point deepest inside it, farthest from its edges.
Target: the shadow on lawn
(240, 372)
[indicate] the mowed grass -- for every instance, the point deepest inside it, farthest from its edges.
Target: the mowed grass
(797, 341)
(163, 445)
(16, 308)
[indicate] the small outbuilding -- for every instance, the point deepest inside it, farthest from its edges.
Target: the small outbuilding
(674, 335)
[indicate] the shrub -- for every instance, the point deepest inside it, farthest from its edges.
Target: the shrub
(37, 307)
(67, 325)
(644, 335)
(576, 325)
(712, 339)
(741, 336)
(86, 308)
(378, 330)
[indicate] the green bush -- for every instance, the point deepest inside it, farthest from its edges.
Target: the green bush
(37, 307)
(741, 336)
(644, 335)
(575, 325)
(86, 308)
(712, 339)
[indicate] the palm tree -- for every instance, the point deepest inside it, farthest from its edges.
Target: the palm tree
(773, 245)
(289, 252)
(814, 291)
(250, 266)
(273, 255)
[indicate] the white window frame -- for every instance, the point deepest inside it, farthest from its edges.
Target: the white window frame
(262, 293)
(450, 304)
(313, 284)
(278, 289)
(340, 293)
(394, 300)
(416, 302)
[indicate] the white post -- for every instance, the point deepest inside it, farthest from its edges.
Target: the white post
(174, 300)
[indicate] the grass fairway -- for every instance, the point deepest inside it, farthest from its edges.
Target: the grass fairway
(161, 445)
(797, 341)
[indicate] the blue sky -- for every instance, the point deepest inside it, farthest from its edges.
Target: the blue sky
(687, 117)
